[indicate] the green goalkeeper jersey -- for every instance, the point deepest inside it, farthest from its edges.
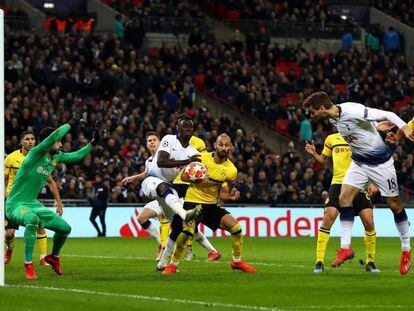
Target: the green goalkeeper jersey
(38, 165)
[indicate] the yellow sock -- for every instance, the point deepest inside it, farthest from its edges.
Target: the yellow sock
(42, 240)
(181, 243)
(9, 243)
(323, 239)
(237, 241)
(370, 240)
(164, 231)
(190, 241)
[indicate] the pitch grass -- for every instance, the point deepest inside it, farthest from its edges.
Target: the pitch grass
(284, 279)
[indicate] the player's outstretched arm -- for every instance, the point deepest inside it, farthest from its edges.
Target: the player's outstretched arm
(166, 162)
(133, 178)
(372, 114)
(400, 134)
(74, 157)
(57, 135)
(48, 142)
(310, 148)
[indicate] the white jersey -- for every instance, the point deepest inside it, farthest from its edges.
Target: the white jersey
(148, 163)
(356, 124)
(176, 151)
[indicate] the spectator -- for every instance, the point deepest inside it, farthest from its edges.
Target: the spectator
(99, 203)
(119, 26)
(306, 130)
(391, 40)
(347, 41)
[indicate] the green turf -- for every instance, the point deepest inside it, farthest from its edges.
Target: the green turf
(284, 280)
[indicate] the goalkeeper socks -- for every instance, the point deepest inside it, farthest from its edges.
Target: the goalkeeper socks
(370, 240)
(347, 221)
(403, 226)
(152, 231)
(237, 242)
(181, 243)
(164, 231)
(204, 242)
(58, 241)
(9, 243)
(174, 202)
(42, 241)
(29, 242)
(323, 239)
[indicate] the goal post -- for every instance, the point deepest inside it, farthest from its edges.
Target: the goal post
(2, 153)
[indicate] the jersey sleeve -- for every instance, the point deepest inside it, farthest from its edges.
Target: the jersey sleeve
(198, 144)
(232, 174)
(73, 157)
(358, 111)
(166, 144)
(45, 145)
(7, 165)
(327, 148)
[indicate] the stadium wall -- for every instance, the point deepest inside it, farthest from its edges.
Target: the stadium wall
(255, 221)
(376, 16)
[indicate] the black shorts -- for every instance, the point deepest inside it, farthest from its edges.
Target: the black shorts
(181, 189)
(9, 224)
(361, 201)
(210, 215)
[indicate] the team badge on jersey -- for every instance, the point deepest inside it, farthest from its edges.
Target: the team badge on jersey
(23, 211)
(165, 143)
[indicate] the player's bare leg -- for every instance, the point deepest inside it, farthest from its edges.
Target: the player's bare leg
(329, 217)
(403, 226)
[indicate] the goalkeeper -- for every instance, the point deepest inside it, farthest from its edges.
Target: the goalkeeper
(22, 206)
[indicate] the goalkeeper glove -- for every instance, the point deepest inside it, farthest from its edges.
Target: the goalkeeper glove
(96, 135)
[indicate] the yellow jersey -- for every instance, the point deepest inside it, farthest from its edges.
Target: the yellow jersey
(197, 143)
(338, 149)
(411, 124)
(218, 176)
(12, 163)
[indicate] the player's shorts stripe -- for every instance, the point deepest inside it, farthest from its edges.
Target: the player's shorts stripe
(365, 113)
(41, 237)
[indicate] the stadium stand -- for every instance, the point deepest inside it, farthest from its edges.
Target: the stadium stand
(48, 75)
(403, 10)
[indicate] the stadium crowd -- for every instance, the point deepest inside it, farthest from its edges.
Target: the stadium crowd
(402, 10)
(48, 75)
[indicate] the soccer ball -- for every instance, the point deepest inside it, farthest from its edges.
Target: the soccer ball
(195, 172)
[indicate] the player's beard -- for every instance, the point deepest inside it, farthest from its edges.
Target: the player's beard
(54, 151)
(223, 155)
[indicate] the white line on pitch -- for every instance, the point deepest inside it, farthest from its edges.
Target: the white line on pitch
(149, 298)
(206, 303)
(195, 260)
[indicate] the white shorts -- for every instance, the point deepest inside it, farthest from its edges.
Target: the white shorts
(149, 188)
(383, 176)
(155, 206)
